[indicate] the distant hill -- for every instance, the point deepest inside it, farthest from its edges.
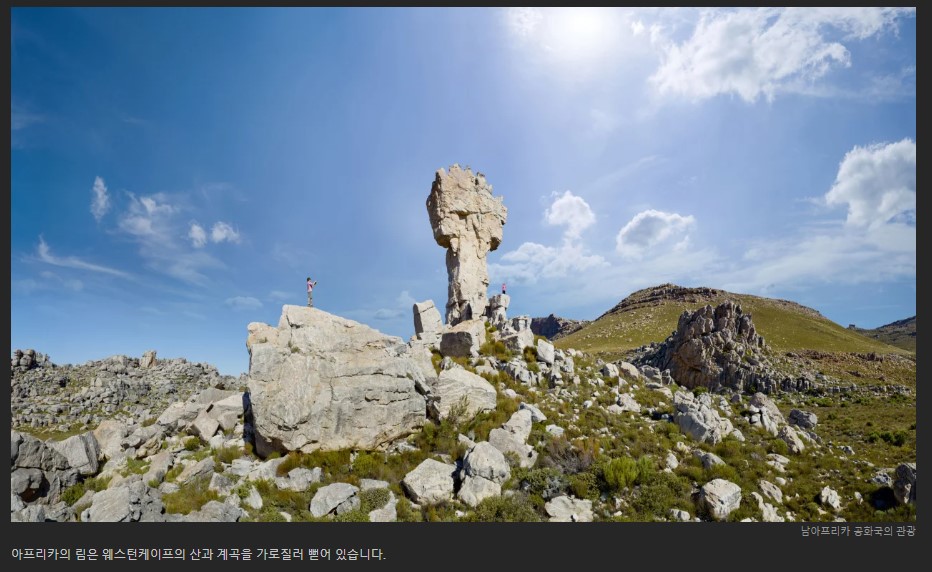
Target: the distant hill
(901, 333)
(651, 314)
(554, 327)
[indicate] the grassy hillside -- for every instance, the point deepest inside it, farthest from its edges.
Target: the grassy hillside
(651, 315)
(901, 333)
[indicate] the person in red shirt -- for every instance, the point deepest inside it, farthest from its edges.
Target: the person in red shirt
(503, 288)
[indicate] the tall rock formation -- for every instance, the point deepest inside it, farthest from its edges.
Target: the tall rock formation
(319, 381)
(467, 220)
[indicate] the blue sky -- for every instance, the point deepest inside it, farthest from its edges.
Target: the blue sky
(177, 173)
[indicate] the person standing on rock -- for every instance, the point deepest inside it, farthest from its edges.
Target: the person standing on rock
(503, 288)
(310, 292)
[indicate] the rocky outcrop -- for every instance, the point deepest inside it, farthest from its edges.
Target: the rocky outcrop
(319, 381)
(497, 310)
(569, 509)
(427, 322)
(904, 487)
(720, 498)
(37, 470)
(697, 418)
(719, 347)
(119, 388)
(511, 438)
(81, 451)
(804, 419)
(714, 348)
(134, 502)
(466, 220)
(829, 497)
(554, 327)
(337, 498)
(431, 482)
(464, 339)
(456, 389)
(24, 360)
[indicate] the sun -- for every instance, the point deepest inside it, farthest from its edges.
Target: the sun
(579, 34)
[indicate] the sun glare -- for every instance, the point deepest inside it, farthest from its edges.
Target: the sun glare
(579, 34)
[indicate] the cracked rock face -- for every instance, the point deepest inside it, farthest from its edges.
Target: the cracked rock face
(717, 347)
(467, 220)
(319, 381)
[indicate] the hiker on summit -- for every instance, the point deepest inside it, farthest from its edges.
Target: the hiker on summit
(310, 292)
(503, 288)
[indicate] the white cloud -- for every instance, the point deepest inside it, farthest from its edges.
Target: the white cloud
(532, 262)
(153, 222)
(243, 303)
(877, 183)
(523, 21)
(45, 255)
(100, 201)
(637, 27)
(147, 217)
(570, 211)
(222, 231)
(650, 229)
(198, 235)
(760, 52)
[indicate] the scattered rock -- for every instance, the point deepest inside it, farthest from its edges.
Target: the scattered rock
(430, 483)
(336, 498)
(720, 497)
(569, 509)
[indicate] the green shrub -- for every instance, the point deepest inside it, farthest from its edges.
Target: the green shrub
(544, 482)
(663, 492)
(74, 493)
(514, 508)
(191, 443)
(190, 497)
(497, 349)
(368, 465)
(620, 473)
(584, 486)
(227, 454)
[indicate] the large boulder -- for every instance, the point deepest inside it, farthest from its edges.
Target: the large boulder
(904, 487)
(466, 220)
(81, 451)
(427, 321)
(134, 502)
(477, 489)
(431, 482)
(720, 497)
(37, 470)
(829, 497)
(545, 352)
(464, 339)
(320, 381)
(697, 418)
(804, 419)
(336, 498)
(485, 461)
(569, 509)
(456, 387)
